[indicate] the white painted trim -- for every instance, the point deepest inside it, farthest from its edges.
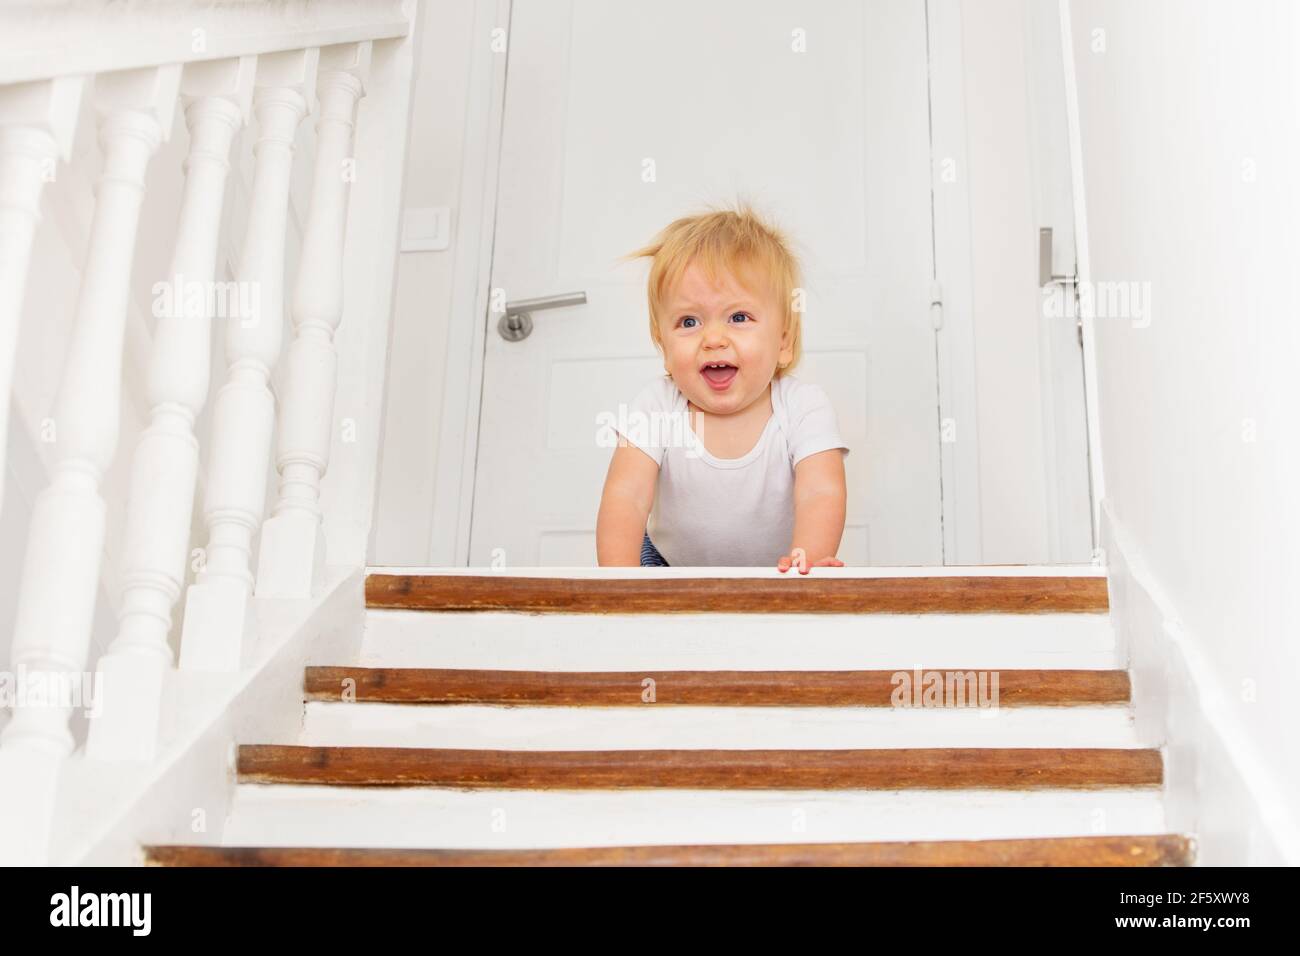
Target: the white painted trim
(457, 443)
(1217, 781)
(1084, 274)
(963, 537)
(920, 571)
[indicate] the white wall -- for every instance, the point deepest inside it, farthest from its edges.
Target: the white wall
(422, 312)
(1189, 130)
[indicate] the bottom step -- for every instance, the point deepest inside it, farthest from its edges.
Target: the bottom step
(1161, 850)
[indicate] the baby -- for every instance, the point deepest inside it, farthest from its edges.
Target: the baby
(754, 475)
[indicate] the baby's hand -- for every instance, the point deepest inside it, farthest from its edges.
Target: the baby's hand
(797, 556)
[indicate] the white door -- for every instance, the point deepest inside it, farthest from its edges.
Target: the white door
(621, 116)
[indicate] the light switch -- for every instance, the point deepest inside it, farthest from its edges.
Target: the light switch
(426, 229)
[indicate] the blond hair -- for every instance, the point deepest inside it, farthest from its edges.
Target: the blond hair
(735, 240)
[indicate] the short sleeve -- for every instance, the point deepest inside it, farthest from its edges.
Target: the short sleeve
(643, 421)
(813, 426)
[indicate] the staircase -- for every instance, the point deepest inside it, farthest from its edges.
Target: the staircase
(652, 716)
(901, 719)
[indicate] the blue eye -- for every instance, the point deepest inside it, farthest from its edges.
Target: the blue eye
(689, 318)
(743, 316)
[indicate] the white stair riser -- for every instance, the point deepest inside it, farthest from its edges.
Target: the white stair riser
(423, 817)
(656, 726)
(574, 642)
(641, 574)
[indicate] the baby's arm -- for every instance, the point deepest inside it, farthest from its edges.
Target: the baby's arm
(819, 501)
(624, 507)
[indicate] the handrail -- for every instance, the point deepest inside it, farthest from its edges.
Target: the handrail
(42, 39)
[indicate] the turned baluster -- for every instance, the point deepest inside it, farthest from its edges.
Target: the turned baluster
(37, 121)
(164, 472)
(218, 615)
(291, 559)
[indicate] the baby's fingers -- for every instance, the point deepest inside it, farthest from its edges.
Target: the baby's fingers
(798, 557)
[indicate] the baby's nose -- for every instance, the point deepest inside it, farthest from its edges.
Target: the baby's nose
(715, 336)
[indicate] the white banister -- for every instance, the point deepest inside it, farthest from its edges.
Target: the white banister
(61, 567)
(37, 121)
(112, 533)
(160, 503)
(45, 39)
(291, 559)
(217, 606)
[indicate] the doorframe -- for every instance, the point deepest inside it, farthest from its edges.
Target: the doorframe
(1083, 273)
(955, 340)
(456, 446)
(957, 399)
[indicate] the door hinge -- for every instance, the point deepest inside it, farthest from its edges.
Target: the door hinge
(936, 304)
(1078, 314)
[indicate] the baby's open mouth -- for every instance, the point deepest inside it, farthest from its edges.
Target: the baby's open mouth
(719, 374)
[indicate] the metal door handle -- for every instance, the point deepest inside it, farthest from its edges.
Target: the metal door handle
(1045, 276)
(517, 323)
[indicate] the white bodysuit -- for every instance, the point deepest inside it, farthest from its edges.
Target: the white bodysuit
(711, 512)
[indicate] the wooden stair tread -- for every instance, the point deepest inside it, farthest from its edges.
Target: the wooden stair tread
(1156, 850)
(792, 595)
(864, 688)
(883, 769)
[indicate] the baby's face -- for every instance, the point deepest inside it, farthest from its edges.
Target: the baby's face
(740, 327)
